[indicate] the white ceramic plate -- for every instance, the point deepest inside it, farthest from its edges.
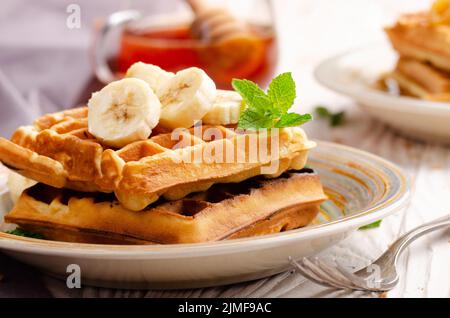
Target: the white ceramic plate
(354, 73)
(362, 188)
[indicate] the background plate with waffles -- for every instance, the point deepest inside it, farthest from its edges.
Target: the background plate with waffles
(362, 188)
(355, 74)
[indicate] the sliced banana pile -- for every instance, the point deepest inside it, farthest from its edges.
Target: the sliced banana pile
(127, 110)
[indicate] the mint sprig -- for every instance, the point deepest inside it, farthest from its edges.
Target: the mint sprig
(334, 119)
(269, 110)
(371, 225)
(21, 232)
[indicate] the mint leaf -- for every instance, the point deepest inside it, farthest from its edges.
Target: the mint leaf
(253, 119)
(253, 95)
(371, 225)
(322, 112)
(292, 119)
(334, 119)
(337, 119)
(282, 92)
(24, 233)
(269, 110)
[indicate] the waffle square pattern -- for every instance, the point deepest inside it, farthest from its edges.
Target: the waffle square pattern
(59, 151)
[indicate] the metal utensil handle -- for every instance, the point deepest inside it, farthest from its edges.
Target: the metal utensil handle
(101, 67)
(414, 234)
(392, 254)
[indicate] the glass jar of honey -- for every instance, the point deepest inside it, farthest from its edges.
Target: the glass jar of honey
(167, 40)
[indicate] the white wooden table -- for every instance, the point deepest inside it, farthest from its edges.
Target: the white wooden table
(311, 30)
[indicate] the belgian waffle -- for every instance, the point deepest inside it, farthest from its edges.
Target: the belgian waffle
(414, 36)
(422, 80)
(58, 150)
(253, 207)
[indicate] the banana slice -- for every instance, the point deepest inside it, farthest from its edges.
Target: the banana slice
(225, 110)
(153, 75)
(185, 98)
(123, 111)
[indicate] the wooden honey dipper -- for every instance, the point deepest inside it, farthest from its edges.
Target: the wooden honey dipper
(216, 24)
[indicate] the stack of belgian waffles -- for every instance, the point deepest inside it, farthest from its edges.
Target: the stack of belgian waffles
(123, 177)
(423, 43)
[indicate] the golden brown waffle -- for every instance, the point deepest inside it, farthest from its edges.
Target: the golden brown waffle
(58, 150)
(414, 36)
(421, 80)
(253, 207)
